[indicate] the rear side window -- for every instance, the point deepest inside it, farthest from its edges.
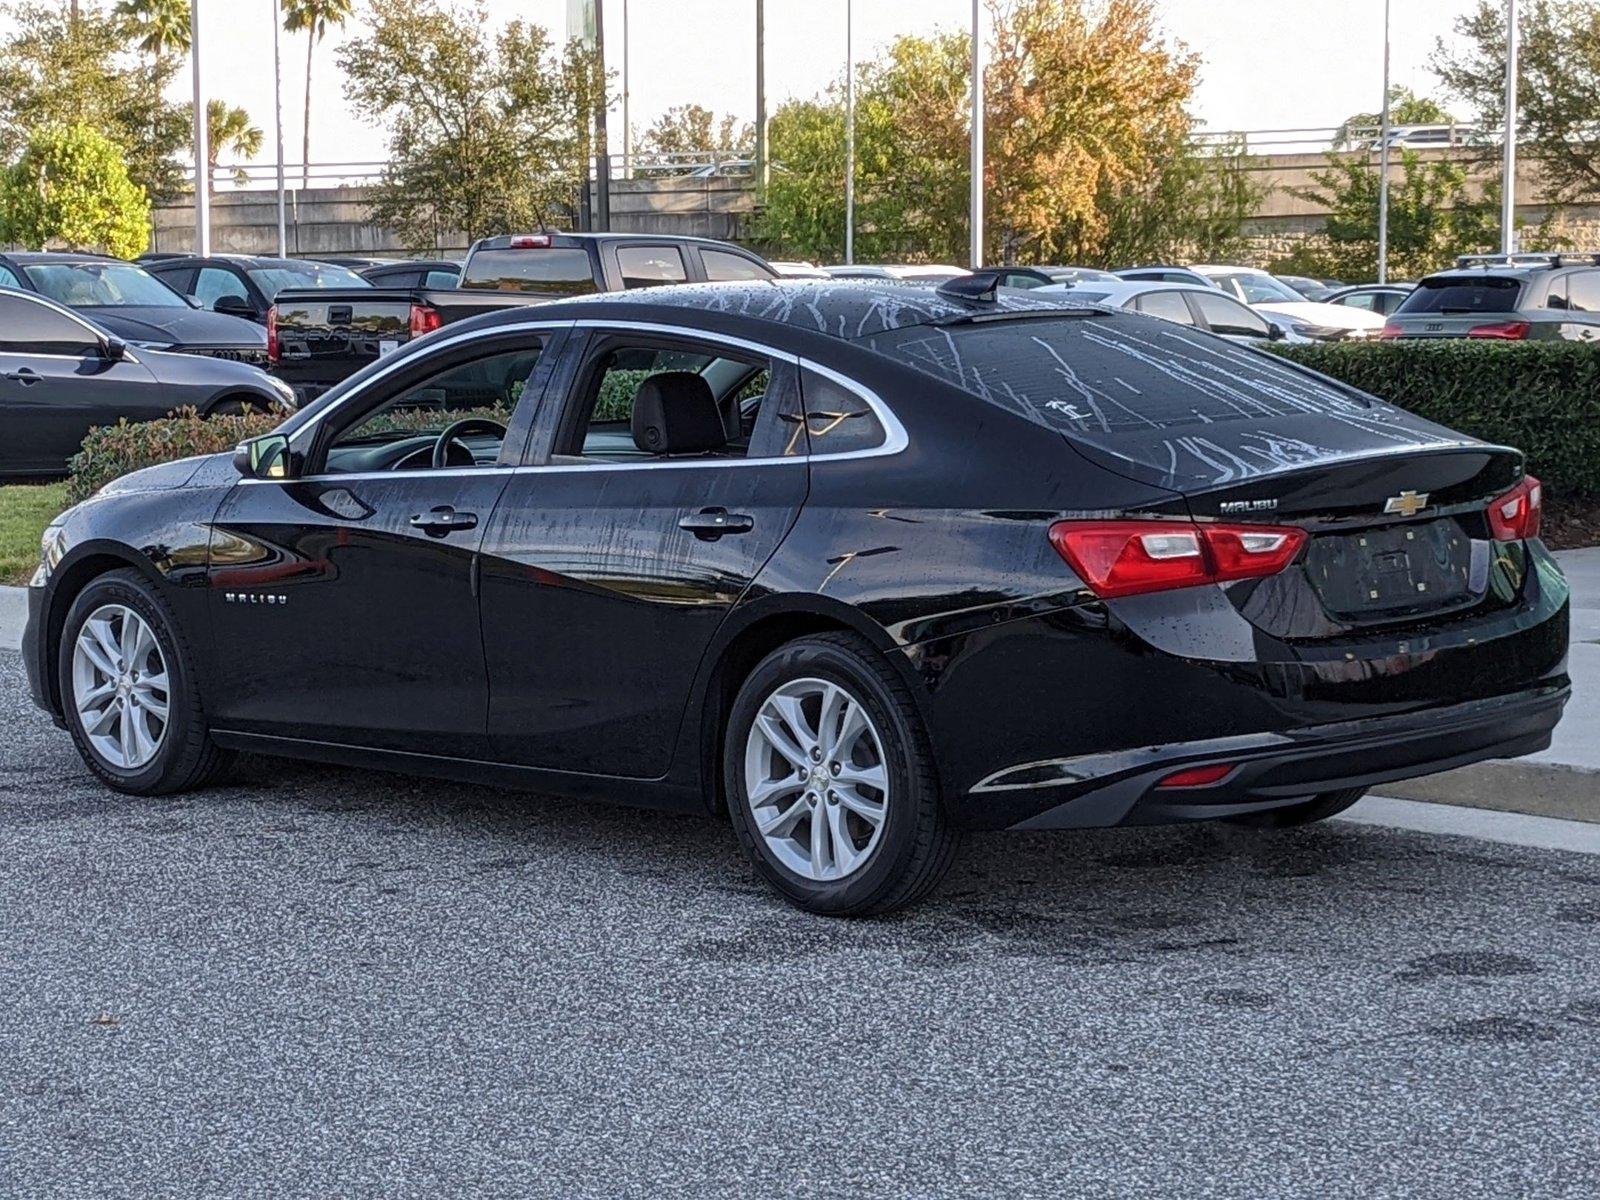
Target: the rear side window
(1169, 306)
(720, 265)
(650, 266)
(561, 271)
(1457, 295)
(1223, 315)
(1583, 292)
(838, 420)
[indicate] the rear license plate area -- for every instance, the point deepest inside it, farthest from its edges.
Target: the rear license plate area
(1393, 571)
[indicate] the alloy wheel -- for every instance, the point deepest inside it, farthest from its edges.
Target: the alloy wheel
(816, 779)
(120, 686)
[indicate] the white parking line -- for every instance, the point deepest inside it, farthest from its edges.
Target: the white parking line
(1490, 825)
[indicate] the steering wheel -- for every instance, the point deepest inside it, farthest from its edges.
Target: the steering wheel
(458, 429)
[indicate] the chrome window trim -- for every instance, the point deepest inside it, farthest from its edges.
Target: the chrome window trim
(895, 437)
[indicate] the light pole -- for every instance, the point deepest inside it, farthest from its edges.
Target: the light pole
(1383, 160)
(976, 248)
(277, 112)
(761, 95)
(849, 132)
(1508, 201)
(627, 123)
(202, 176)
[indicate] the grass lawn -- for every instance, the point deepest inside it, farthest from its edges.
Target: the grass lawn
(25, 509)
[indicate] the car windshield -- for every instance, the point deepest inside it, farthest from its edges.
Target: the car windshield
(1260, 289)
(1486, 294)
(107, 285)
(275, 279)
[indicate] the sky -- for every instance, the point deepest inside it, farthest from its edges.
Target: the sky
(1267, 64)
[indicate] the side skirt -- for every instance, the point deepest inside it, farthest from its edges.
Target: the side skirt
(639, 793)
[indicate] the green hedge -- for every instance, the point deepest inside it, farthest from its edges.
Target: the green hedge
(110, 451)
(1541, 397)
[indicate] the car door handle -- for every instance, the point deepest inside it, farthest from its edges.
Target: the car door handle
(442, 520)
(25, 376)
(711, 523)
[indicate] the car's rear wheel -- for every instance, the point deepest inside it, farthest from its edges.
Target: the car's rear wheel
(128, 691)
(831, 782)
(1317, 808)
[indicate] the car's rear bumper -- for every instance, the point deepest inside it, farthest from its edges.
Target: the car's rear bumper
(1273, 769)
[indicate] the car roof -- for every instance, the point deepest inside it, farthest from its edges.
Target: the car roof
(1226, 269)
(1122, 289)
(26, 257)
(847, 309)
(571, 237)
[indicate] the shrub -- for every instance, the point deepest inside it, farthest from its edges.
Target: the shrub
(71, 186)
(1541, 397)
(110, 451)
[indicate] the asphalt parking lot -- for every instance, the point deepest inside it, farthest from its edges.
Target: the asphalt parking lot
(333, 983)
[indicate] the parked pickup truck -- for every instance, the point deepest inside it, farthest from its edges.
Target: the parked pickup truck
(319, 336)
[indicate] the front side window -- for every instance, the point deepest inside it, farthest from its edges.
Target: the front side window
(110, 285)
(1223, 315)
(1363, 300)
(28, 327)
(650, 266)
(1583, 292)
(721, 266)
(214, 283)
(8, 277)
(402, 431)
(646, 402)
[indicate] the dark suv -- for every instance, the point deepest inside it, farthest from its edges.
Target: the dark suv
(1506, 297)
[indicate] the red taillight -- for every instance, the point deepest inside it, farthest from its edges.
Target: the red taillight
(424, 320)
(1501, 331)
(1197, 776)
(1127, 558)
(1518, 513)
(273, 353)
(531, 241)
(1392, 329)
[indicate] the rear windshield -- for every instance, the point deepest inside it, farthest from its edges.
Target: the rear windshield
(1444, 296)
(563, 272)
(1113, 374)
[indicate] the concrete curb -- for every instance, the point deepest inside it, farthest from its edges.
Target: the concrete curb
(1537, 789)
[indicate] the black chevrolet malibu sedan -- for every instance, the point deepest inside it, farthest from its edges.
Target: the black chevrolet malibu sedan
(860, 566)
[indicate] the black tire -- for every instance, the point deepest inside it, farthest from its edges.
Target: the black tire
(917, 843)
(1317, 808)
(236, 407)
(187, 757)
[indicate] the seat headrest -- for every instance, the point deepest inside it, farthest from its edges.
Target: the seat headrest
(675, 413)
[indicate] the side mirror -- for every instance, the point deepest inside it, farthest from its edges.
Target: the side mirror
(264, 457)
(234, 306)
(1275, 332)
(113, 349)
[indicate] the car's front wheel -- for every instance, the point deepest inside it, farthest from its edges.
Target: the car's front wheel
(128, 690)
(831, 782)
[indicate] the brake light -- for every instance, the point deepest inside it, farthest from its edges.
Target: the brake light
(1129, 558)
(1197, 776)
(1501, 331)
(273, 352)
(1518, 514)
(531, 241)
(1391, 329)
(424, 319)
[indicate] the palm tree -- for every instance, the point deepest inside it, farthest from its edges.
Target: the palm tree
(314, 18)
(162, 26)
(229, 128)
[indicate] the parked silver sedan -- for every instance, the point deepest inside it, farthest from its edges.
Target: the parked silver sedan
(1184, 304)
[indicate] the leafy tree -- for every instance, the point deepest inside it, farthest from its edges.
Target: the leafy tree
(70, 187)
(229, 128)
(313, 18)
(1433, 216)
(484, 129)
(689, 128)
(161, 26)
(1087, 155)
(1405, 108)
(1558, 85)
(59, 70)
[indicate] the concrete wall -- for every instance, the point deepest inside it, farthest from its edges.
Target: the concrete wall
(337, 221)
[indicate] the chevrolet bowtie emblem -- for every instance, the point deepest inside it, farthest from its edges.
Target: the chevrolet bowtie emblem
(1406, 504)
